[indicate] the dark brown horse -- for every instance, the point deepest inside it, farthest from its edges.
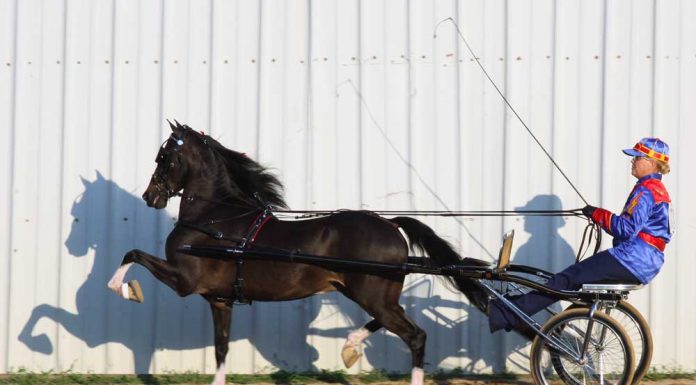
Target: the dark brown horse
(222, 191)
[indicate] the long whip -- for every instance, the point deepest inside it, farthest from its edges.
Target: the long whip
(473, 55)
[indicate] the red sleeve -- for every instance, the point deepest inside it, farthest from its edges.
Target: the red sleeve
(603, 218)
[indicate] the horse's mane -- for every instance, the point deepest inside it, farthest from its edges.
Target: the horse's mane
(249, 176)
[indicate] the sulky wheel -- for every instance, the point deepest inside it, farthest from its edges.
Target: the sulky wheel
(609, 357)
(638, 331)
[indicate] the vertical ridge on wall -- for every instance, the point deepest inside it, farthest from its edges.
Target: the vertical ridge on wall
(8, 64)
(24, 218)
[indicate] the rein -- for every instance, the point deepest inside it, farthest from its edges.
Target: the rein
(303, 214)
(192, 197)
(590, 232)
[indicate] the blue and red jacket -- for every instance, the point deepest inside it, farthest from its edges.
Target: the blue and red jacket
(642, 230)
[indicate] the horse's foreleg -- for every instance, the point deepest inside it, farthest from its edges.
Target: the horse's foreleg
(222, 317)
(130, 290)
(162, 270)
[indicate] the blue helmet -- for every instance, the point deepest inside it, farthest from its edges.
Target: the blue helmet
(651, 147)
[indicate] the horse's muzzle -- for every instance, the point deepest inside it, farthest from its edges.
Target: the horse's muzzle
(154, 199)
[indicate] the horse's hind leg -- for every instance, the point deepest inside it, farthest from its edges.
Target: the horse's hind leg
(381, 301)
(222, 317)
(351, 351)
(395, 320)
(163, 271)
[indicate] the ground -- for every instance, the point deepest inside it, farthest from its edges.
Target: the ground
(521, 381)
(40, 379)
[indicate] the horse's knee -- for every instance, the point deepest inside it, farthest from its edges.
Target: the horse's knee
(131, 256)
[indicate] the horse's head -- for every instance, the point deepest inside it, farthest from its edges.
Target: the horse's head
(191, 161)
(178, 157)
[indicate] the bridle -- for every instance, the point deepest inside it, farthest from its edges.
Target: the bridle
(162, 183)
(160, 176)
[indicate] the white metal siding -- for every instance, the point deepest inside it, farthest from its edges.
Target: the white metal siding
(355, 105)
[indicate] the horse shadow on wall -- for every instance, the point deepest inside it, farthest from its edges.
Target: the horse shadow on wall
(165, 321)
(102, 317)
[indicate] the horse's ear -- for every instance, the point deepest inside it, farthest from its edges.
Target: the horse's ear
(175, 127)
(100, 177)
(85, 182)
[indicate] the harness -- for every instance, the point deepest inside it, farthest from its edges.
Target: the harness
(245, 243)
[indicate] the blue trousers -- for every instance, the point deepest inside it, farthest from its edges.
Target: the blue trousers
(595, 269)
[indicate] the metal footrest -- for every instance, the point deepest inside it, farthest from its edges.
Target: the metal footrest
(610, 287)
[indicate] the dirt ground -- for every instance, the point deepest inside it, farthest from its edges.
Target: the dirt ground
(522, 381)
(519, 381)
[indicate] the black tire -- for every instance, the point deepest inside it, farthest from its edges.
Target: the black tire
(638, 331)
(610, 359)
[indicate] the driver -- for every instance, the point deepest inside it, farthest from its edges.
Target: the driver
(640, 234)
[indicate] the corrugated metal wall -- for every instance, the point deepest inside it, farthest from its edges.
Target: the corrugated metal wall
(356, 105)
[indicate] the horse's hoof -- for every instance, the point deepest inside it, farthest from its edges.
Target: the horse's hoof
(135, 293)
(350, 356)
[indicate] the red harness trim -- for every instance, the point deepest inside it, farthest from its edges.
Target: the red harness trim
(258, 229)
(655, 242)
(251, 237)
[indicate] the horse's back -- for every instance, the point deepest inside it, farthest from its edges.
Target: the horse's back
(350, 234)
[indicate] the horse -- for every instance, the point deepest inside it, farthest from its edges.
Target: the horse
(225, 197)
(96, 322)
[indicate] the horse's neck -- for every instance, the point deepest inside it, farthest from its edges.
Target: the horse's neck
(212, 191)
(202, 204)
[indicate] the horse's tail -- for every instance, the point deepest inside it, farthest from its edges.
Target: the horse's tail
(423, 238)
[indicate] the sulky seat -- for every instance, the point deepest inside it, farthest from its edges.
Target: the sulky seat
(610, 287)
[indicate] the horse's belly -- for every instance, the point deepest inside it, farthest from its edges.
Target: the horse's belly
(284, 284)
